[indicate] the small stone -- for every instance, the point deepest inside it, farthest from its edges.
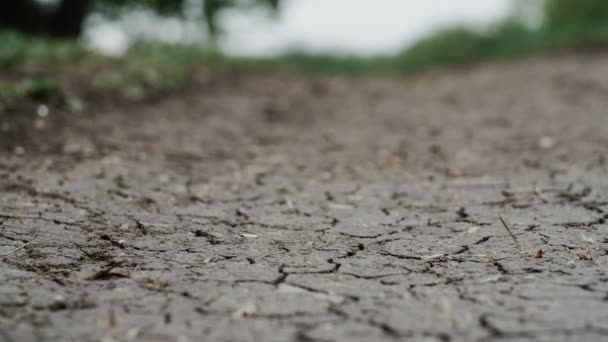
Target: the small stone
(71, 148)
(39, 124)
(59, 298)
(246, 310)
(59, 303)
(546, 142)
(42, 111)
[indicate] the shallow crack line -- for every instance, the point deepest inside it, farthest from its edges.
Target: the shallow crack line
(332, 308)
(472, 222)
(482, 240)
(464, 296)
(334, 269)
(385, 328)
(396, 222)
(400, 256)
(328, 271)
(494, 333)
(381, 242)
(282, 276)
(486, 325)
(281, 316)
(302, 336)
(257, 281)
(66, 199)
(39, 217)
(327, 293)
(275, 282)
(372, 277)
(441, 257)
(360, 236)
(10, 238)
(353, 252)
(594, 206)
(585, 224)
(500, 267)
(462, 250)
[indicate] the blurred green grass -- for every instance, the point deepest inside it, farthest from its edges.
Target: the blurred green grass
(149, 69)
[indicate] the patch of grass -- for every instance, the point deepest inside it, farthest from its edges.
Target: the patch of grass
(19, 50)
(45, 65)
(120, 181)
(33, 88)
(463, 46)
(155, 66)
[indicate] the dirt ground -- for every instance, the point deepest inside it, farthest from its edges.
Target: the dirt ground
(261, 206)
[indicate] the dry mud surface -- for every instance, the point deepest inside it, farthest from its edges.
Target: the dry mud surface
(273, 207)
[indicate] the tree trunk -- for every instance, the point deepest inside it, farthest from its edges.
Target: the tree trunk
(69, 18)
(23, 15)
(28, 17)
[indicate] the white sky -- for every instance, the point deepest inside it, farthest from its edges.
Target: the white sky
(364, 27)
(367, 27)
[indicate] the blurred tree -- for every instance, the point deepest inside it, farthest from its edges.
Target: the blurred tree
(65, 18)
(25, 15)
(580, 14)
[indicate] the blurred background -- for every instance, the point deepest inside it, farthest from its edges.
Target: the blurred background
(147, 46)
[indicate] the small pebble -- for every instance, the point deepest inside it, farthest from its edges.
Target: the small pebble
(546, 142)
(42, 111)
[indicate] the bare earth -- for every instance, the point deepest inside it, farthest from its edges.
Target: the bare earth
(274, 207)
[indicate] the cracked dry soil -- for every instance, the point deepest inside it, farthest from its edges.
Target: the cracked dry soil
(274, 207)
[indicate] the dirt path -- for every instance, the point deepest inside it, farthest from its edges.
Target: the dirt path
(274, 207)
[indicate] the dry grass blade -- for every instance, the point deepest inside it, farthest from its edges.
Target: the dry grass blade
(17, 249)
(508, 229)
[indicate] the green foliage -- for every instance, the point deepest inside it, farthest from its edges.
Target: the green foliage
(17, 49)
(462, 45)
(576, 15)
(43, 88)
(576, 23)
(46, 63)
(152, 68)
